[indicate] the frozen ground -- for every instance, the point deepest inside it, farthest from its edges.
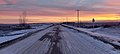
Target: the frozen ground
(71, 42)
(8, 38)
(74, 42)
(114, 31)
(2, 33)
(16, 34)
(26, 44)
(109, 39)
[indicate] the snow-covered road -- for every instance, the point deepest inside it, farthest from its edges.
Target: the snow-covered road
(25, 44)
(74, 42)
(70, 42)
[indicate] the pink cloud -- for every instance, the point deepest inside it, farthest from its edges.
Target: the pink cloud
(2, 2)
(112, 2)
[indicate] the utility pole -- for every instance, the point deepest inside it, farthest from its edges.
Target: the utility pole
(23, 21)
(20, 20)
(24, 18)
(78, 12)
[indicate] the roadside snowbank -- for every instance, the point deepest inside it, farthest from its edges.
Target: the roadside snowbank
(112, 31)
(103, 37)
(8, 38)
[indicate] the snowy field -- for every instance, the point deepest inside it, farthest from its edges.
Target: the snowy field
(107, 38)
(2, 33)
(114, 31)
(16, 34)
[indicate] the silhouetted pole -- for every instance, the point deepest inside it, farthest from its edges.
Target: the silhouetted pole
(20, 20)
(24, 17)
(78, 12)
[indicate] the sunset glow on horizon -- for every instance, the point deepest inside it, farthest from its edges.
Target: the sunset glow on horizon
(41, 11)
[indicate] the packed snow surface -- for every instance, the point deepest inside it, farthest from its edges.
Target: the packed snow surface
(30, 43)
(72, 42)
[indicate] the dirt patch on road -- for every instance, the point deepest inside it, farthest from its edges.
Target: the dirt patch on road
(54, 38)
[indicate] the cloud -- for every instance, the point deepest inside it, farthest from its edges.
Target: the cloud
(112, 2)
(54, 8)
(8, 2)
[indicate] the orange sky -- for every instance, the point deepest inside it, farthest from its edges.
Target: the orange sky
(58, 10)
